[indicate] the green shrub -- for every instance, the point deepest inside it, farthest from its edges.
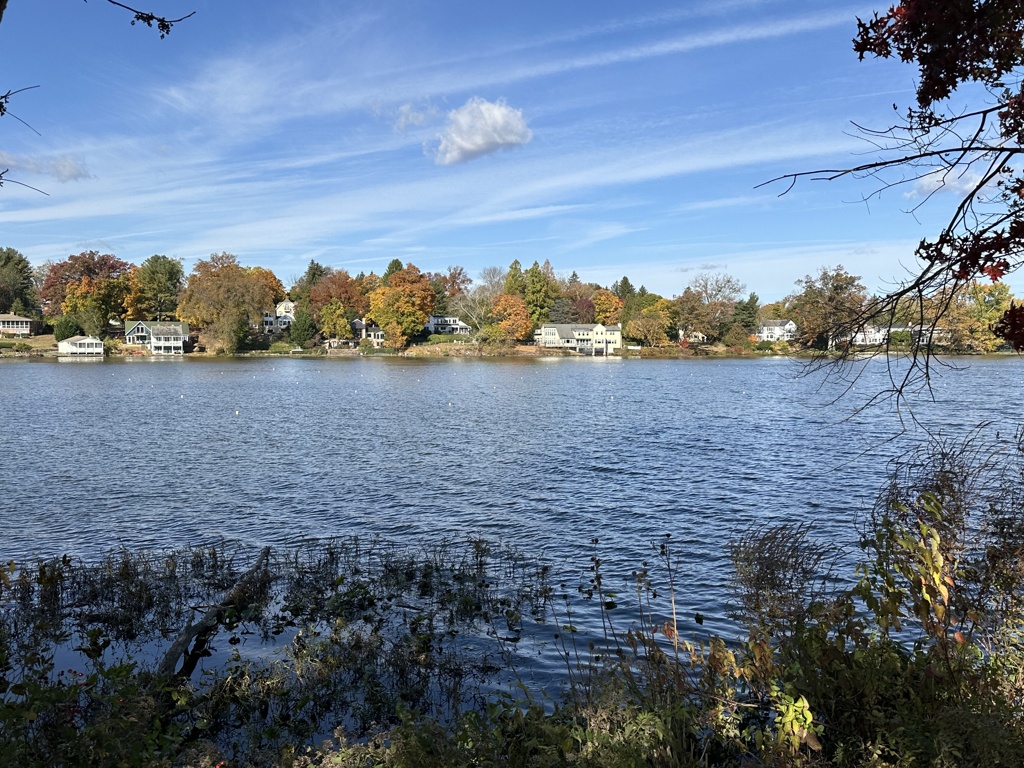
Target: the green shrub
(64, 327)
(448, 338)
(7, 344)
(21, 346)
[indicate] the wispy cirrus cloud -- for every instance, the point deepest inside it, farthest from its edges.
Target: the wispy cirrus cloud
(480, 127)
(413, 116)
(63, 168)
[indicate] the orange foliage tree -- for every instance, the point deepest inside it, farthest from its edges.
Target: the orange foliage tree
(511, 314)
(342, 287)
(406, 301)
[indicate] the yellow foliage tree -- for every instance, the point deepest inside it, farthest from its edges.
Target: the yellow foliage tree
(407, 301)
(333, 320)
(607, 307)
(223, 298)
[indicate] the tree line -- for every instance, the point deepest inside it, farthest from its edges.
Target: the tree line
(225, 302)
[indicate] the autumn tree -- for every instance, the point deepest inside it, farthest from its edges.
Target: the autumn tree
(17, 294)
(607, 307)
(448, 286)
(649, 326)
(406, 301)
(393, 266)
(271, 282)
(334, 320)
(719, 293)
(339, 286)
(394, 336)
(224, 299)
(968, 318)
(583, 310)
(512, 316)
(94, 301)
(88, 264)
(691, 315)
(965, 128)
(828, 307)
(776, 310)
(301, 289)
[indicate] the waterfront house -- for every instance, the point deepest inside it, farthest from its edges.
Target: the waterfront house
(364, 329)
(448, 324)
(776, 330)
(588, 338)
(161, 338)
(693, 337)
(870, 336)
(15, 325)
(80, 346)
(280, 319)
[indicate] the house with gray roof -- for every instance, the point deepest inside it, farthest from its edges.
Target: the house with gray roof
(15, 325)
(586, 338)
(161, 338)
(776, 330)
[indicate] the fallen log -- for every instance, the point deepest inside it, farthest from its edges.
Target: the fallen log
(237, 598)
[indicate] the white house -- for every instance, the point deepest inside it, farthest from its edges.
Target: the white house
(80, 346)
(368, 330)
(280, 319)
(776, 330)
(161, 338)
(449, 324)
(589, 338)
(870, 336)
(15, 325)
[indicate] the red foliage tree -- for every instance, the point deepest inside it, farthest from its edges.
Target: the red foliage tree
(88, 264)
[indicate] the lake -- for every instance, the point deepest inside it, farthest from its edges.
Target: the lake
(543, 454)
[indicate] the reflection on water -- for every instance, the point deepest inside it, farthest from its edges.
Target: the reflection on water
(545, 455)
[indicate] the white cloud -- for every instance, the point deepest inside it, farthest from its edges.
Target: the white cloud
(944, 181)
(61, 168)
(410, 116)
(480, 127)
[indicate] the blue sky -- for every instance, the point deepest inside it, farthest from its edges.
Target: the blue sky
(611, 138)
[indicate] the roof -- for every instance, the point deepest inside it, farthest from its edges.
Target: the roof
(776, 323)
(161, 328)
(8, 316)
(569, 327)
(76, 339)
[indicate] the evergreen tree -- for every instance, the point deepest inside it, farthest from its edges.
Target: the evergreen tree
(541, 292)
(15, 280)
(393, 266)
(302, 330)
(515, 280)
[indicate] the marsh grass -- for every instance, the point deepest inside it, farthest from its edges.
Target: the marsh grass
(363, 653)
